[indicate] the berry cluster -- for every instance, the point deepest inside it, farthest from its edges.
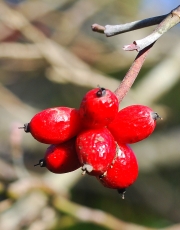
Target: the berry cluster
(95, 137)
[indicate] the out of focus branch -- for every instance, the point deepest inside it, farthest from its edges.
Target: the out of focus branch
(37, 9)
(84, 10)
(14, 105)
(32, 10)
(19, 51)
(29, 208)
(7, 172)
(161, 78)
(5, 204)
(99, 217)
(17, 151)
(80, 212)
(72, 71)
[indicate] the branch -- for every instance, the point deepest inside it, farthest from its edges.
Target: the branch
(74, 70)
(165, 22)
(142, 46)
(20, 190)
(112, 30)
(28, 208)
(19, 51)
(95, 216)
(98, 217)
(43, 9)
(172, 19)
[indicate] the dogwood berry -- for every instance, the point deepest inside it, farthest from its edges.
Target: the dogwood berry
(123, 171)
(133, 123)
(96, 149)
(54, 125)
(61, 158)
(98, 108)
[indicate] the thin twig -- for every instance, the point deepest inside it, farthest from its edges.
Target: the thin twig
(119, 29)
(98, 28)
(171, 20)
(112, 30)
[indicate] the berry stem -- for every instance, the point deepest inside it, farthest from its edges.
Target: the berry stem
(131, 75)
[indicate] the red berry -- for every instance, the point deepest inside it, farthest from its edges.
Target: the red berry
(123, 171)
(61, 158)
(98, 108)
(96, 149)
(54, 125)
(133, 123)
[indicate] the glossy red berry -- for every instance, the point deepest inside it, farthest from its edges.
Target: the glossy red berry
(98, 108)
(124, 170)
(61, 158)
(96, 149)
(54, 125)
(133, 123)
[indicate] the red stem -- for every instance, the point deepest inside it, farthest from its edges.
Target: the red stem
(131, 75)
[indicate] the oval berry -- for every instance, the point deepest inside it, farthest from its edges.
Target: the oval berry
(133, 123)
(123, 171)
(61, 158)
(96, 149)
(98, 108)
(54, 125)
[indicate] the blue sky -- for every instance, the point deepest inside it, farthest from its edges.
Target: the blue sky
(160, 6)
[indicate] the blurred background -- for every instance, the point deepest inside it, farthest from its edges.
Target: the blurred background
(49, 57)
